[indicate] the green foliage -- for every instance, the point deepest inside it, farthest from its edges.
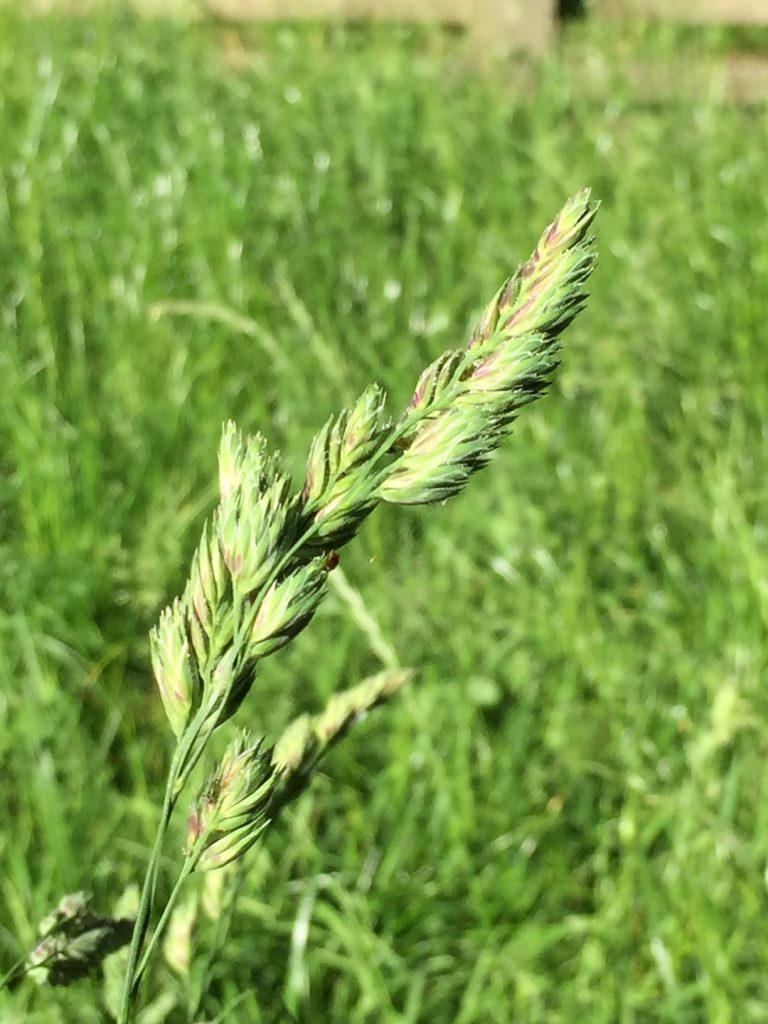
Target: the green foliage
(566, 819)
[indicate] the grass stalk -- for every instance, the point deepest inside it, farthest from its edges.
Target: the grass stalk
(147, 897)
(261, 567)
(477, 392)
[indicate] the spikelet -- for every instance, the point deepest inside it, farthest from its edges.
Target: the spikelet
(339, 491)
(233, 809)
(174, 666)
(309, 737)
(286, 608)
(255, 512)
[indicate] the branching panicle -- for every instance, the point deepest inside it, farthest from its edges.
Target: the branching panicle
(260, 570)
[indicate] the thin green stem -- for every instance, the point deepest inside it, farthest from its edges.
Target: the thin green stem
(187, 868)
(177, 777)
(185, 757)
(148, 892)
(223, 926)
(19, 969)
(195, 752)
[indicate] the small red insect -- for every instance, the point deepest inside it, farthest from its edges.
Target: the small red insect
(332, 561)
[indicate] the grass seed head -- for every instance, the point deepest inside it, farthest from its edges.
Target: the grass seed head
(232, 811)
(173, 666)
(75, 941)
(286, 608)
(339, 490)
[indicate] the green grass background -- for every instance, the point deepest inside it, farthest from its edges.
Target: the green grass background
(565, 819)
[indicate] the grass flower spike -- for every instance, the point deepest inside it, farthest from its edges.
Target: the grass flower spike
(260, 571)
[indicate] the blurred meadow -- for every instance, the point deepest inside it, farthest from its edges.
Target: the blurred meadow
(563, 818)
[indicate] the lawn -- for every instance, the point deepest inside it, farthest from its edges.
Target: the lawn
(564, 818)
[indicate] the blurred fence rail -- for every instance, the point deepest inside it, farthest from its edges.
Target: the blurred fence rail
(517, 24)
(737, 77)
(732, 12)
(527, 24)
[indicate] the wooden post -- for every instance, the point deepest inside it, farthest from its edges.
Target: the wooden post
(506, 25)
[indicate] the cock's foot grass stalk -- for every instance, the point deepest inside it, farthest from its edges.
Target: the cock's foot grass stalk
(260, 570)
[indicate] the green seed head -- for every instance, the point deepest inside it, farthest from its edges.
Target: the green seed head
(174, 667)
(286, 608)
(339, 491)
(233, 810)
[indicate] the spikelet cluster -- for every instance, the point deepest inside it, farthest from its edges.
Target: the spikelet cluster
(260, 570)
(339, 491)
(252, 784)
(233, 809)
(466, 401)
(245, 597)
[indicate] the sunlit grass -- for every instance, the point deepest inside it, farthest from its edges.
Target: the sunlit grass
(564, 819)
